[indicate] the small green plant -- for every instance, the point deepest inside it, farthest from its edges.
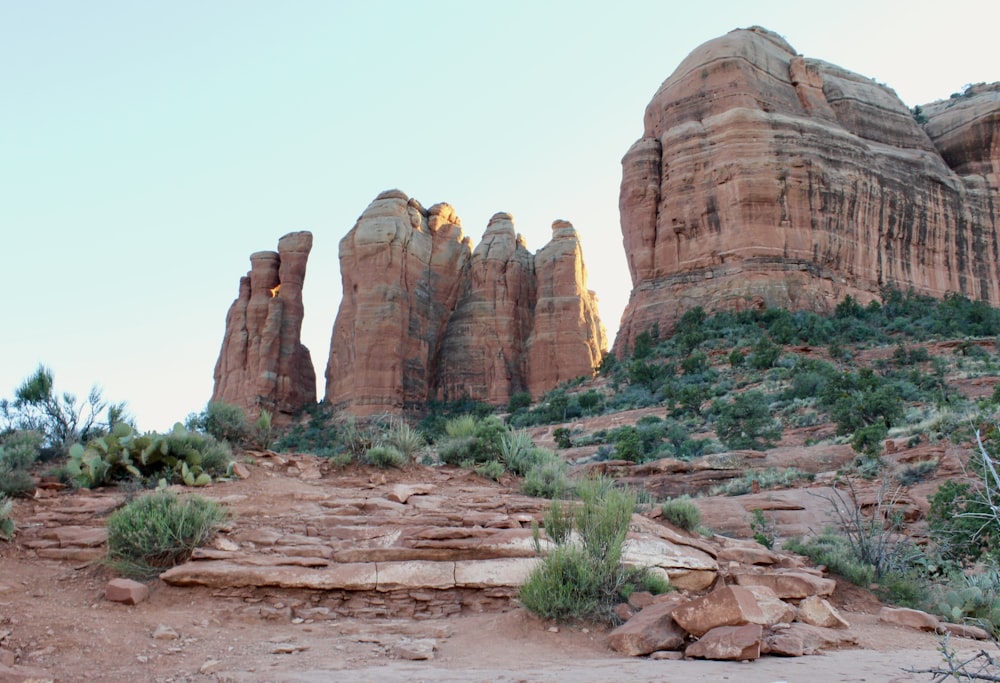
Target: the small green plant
(405, 439)
(681, 512)
(762, 528)
(491, 470)
(916, 472)
(385, 457)
(770, 478)
(158, 531)
(7, 526)
(548, 478)
(223, 421)
(562, 437)
(262, 435)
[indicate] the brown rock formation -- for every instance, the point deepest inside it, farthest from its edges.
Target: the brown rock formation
(764, 178)
(263, 363)
(401, 268)
(483, 351)
(424, 317)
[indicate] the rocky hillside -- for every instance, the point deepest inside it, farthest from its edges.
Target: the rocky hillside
(766, 178)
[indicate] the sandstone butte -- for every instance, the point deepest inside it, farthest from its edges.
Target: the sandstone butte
(262, 363)
(764, 178)
(425, 317)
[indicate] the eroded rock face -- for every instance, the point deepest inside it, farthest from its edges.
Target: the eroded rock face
(263, 363)
(424, 317)
(767, 179)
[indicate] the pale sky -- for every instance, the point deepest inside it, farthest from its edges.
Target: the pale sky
(148, 148)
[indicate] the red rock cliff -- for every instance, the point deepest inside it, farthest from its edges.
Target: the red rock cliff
(764, 178)
(425, 317)
(263, 363)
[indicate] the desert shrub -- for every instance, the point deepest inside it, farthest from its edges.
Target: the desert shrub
(519, 401)
(681, 512)
(765, 354)
(7, 526)
(404, 439)
(770, 478)
(971, 598)
(223, 421)
(832, 550)
(548, 478)
(385, 457)
(746, 422)
(60, 418)
(181, 455)
(957, 522)
(916, 472)
(762, 528)
(562, 437)
(582, 578)
(491, 470)
(158, 531)
(18, 452)
(472, 441)
(590, 401)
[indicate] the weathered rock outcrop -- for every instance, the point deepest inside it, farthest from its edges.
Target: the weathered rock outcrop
(263, 363)
(765, 178)
(425, 317)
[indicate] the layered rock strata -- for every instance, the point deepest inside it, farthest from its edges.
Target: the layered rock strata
(767, 179)
(263, 363)
(425, 317)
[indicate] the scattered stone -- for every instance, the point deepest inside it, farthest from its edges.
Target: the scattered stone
(416, 650)
(725, 606)
(667, 654)
(225, 544)
(650, 630)
(288, 648)
(909, 618)
(796, 584)
(210, 666)
(641, 599)
(164, 632)
(965, 631)
(816, 611)
(800, 639)
(126, 591)
(728, 642)
(773, 609)
(401, 493)
(240, 470)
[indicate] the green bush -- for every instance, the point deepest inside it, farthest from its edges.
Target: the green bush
(472, 441)
(770, 478)
(223, 421)
(562, 437)
(491, 470)
(385, 457)
(746, 422)
(582, 578)
(7, 526)
(681, 512)
(519, 401)
(971, 598)
(405, 439)
(158, 531)
(548, 478)
(262, 433)
(18, 452)
(180, 455)
(958, 522)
